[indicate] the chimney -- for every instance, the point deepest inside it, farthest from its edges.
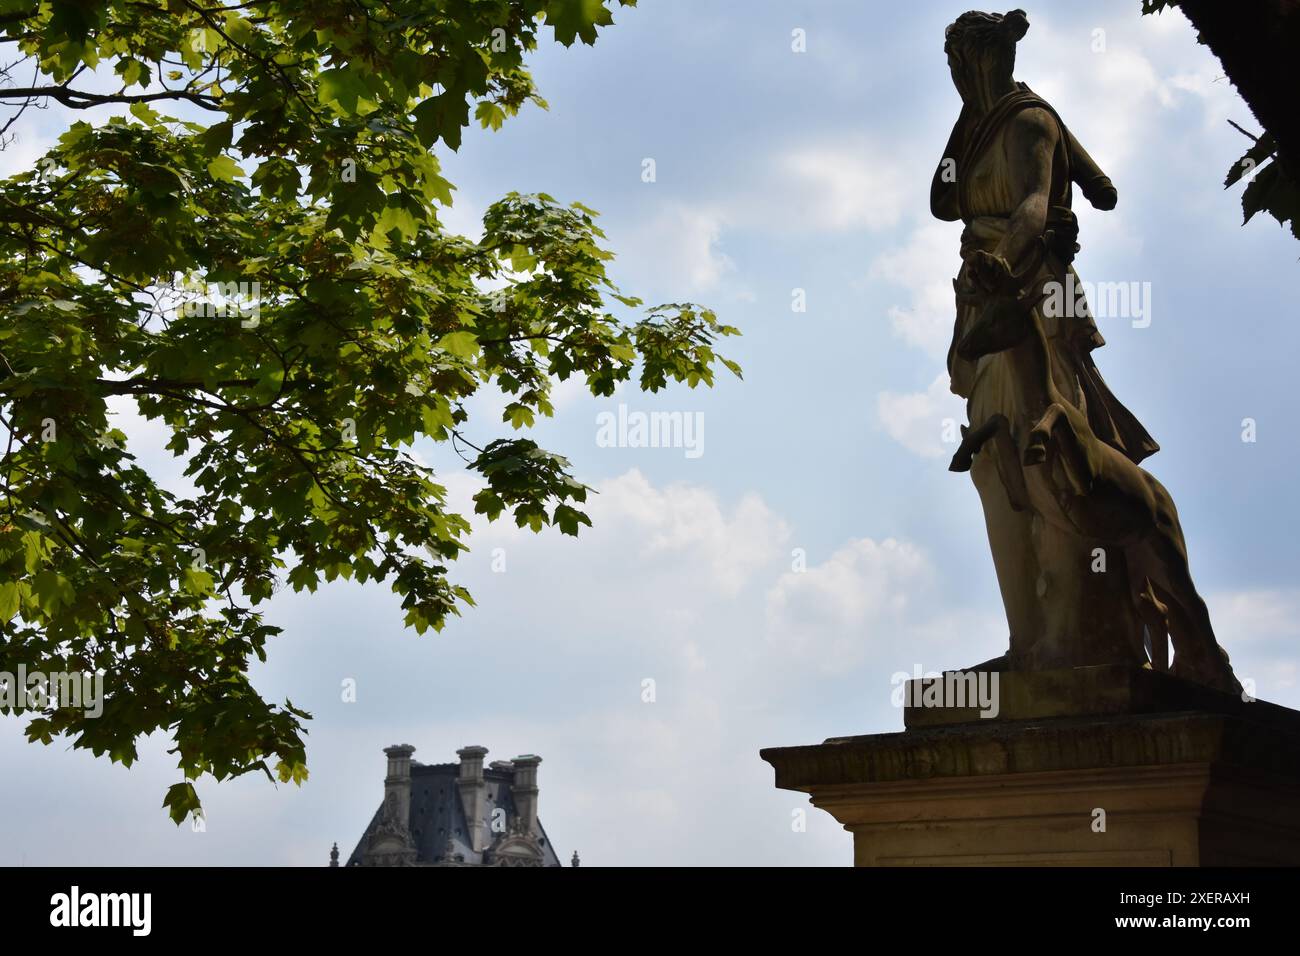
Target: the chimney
(473, 794)
(524, 790)
(398, 780)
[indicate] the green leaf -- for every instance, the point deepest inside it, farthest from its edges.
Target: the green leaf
(133, 72)
(9, 600)
(1259, 153)
(146, 114)
(489, 115)
(460, 344)
(291, 772)
(577, 19)
(441, 117)
(344, 89)
(181, 801)
(51, 591)
(399, 218)
(519, 416)
(568, 519)
(196, 582)
(224, 168)
(1272, 191)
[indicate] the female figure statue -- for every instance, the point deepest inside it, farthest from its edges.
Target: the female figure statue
(1087, 559)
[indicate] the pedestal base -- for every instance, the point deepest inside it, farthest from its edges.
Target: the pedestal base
(1190, 788)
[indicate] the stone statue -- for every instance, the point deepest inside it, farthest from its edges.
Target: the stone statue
(1087, 547)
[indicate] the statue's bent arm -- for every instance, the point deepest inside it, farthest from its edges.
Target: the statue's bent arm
(1032, 141)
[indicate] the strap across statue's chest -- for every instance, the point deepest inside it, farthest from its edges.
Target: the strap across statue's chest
(985, 184)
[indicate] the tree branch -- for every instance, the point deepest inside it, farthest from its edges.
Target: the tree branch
(81, 99)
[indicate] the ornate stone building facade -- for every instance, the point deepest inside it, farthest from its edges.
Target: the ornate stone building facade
(456, 814)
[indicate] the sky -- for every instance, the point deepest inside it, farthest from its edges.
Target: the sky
(770, 582)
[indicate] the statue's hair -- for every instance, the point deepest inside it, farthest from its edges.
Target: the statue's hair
(986, 30)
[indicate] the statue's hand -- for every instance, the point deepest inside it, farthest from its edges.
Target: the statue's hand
(1102, 194)
(990, 272)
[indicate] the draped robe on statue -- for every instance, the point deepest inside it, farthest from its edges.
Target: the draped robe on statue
(1090, 618)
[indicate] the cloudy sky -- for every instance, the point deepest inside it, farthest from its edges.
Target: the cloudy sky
(778, 173)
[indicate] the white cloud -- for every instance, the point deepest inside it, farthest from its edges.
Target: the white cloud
(917, 420)
(840, 185)
(1259, 627)
(837, 613)
(836, 185)
(1258, 615)
(676, 528)
(678, 248)
(924, 267)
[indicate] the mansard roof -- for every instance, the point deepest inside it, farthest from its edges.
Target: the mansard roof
(437, 814)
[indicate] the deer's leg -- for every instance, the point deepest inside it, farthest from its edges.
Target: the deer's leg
(1197, 654)
(972, 440)
(1155, 616)
(1036, 449)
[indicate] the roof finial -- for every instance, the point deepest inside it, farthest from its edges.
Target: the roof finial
(334, 855)
(575, 861)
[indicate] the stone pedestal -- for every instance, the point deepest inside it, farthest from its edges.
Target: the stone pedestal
(1105, 766)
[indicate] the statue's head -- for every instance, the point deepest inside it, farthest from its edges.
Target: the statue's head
(981, 50)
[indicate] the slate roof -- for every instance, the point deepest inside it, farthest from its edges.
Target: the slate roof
(436, 809)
